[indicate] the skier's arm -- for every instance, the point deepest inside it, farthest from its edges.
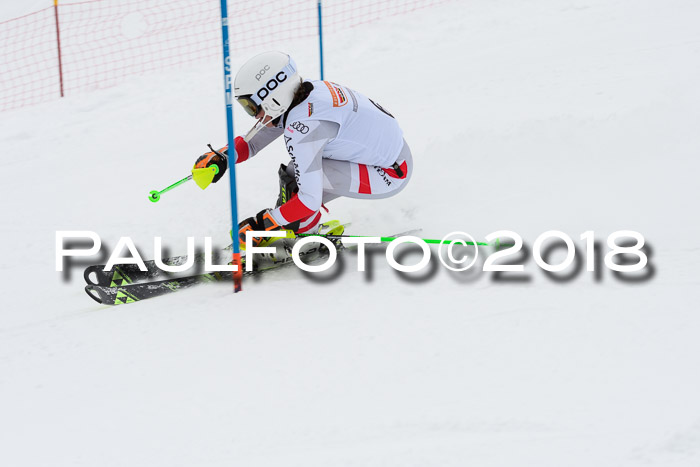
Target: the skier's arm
(261, 139)
(244, 151)
(305, 141)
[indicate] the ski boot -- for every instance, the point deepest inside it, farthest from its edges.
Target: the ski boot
(284, 246)
(333, 229)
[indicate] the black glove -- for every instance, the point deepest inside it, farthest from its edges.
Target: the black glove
(262, 221)
(217, 158)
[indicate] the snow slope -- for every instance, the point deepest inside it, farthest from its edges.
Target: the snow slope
(522, 115)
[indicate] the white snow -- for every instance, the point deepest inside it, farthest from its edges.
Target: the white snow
(530, 116)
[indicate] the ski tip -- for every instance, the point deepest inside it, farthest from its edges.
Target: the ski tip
(94, 294)
(90, 275)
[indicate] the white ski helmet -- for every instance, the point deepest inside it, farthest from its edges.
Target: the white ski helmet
(267, 82)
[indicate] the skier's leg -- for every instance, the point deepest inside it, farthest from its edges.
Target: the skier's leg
(342, 178)
(288, 186)
(349, 179)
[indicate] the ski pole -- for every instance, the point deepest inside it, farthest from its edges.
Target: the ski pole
(202, 177)
(154, 195)
(496, 243)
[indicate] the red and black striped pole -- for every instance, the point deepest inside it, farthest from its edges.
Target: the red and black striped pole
(58, 43)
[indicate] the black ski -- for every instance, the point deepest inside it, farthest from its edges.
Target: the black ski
(129, 293)
(124, 274)
(134, 292)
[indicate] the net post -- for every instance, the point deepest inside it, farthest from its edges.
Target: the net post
(58, 46)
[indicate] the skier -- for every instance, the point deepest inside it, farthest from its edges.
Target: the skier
(340, 142)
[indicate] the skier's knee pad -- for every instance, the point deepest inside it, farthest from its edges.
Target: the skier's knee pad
(288, 186)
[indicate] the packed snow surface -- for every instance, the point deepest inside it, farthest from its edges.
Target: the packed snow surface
(579, 115)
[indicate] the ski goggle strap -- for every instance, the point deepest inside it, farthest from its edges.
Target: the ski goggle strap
(249, 105)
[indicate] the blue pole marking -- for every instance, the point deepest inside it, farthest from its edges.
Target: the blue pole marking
(320, 36)
(232, 156)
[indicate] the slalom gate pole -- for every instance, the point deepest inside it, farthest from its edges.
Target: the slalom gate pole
(232, 156)
(320, 36)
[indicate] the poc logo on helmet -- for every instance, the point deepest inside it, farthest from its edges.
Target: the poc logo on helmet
(271, 85)
(262, 72)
